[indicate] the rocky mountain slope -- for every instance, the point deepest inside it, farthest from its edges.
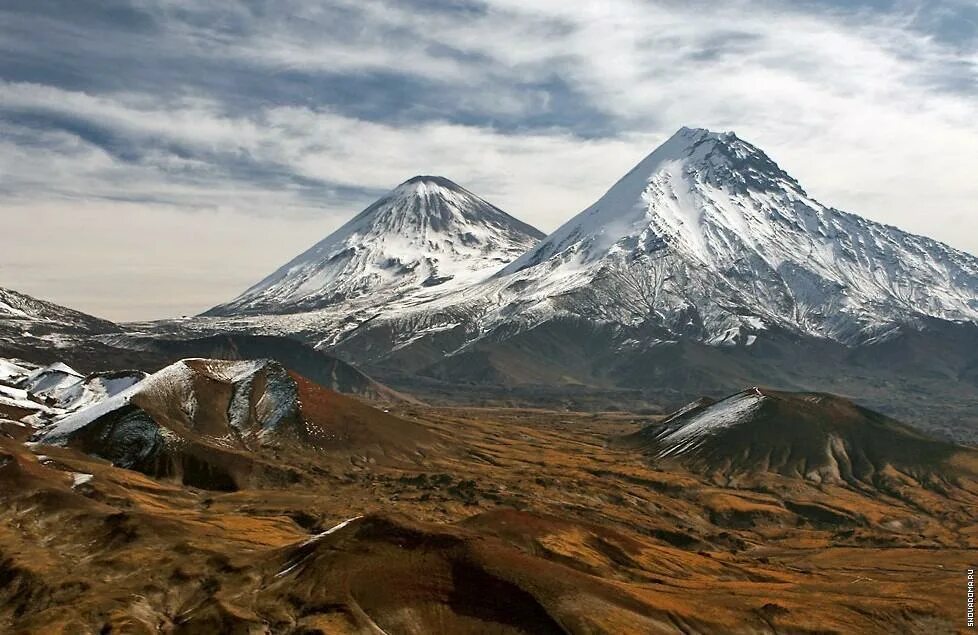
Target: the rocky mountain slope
(22, 316)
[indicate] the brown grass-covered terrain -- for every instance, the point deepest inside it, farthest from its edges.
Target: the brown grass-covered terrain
(464, 520)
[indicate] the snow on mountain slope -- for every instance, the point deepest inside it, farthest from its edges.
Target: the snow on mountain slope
(92, 389)
(711, 420)
(51, 380)
(705, 239)
(424, 239)
(14, 371)
(43, 395)
(711, 238)
(21, 314)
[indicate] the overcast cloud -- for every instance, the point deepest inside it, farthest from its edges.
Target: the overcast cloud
(158, 157)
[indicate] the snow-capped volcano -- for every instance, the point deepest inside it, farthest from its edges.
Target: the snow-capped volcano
(424, 238)
(706, 245)
(709, 237)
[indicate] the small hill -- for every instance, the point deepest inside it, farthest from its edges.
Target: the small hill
(193, 421)
(816, 436)
(215, 424)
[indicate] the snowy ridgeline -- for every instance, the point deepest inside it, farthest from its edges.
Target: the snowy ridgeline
(694, 430)
(23, 314)
(706, 237)
(51, 393)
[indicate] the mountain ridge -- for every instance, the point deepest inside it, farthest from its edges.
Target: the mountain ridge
(25, 313)
(706, 237)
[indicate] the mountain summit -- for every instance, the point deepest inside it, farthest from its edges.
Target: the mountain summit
(653, 203)
(707, 236)
(428, 235)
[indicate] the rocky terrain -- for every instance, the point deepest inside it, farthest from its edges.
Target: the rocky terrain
(459, 520)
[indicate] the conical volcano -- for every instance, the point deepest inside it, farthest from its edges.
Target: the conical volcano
(816, 436)
(425, 237)
(708, 237)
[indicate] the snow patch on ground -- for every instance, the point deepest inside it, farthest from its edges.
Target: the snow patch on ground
(334, 529)
(12, 372)
(48, 380)
(80, 478)
(723, 414)
(293, 565)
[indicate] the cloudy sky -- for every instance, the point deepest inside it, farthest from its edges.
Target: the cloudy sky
(159, 156)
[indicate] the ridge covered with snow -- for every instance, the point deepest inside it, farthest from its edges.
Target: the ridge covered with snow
(50, 393)
(708, 239)
(24, 316)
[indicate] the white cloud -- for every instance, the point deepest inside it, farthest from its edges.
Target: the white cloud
(849, 106)
(315, 144)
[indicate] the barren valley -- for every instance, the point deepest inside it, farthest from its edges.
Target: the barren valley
(497, 521)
